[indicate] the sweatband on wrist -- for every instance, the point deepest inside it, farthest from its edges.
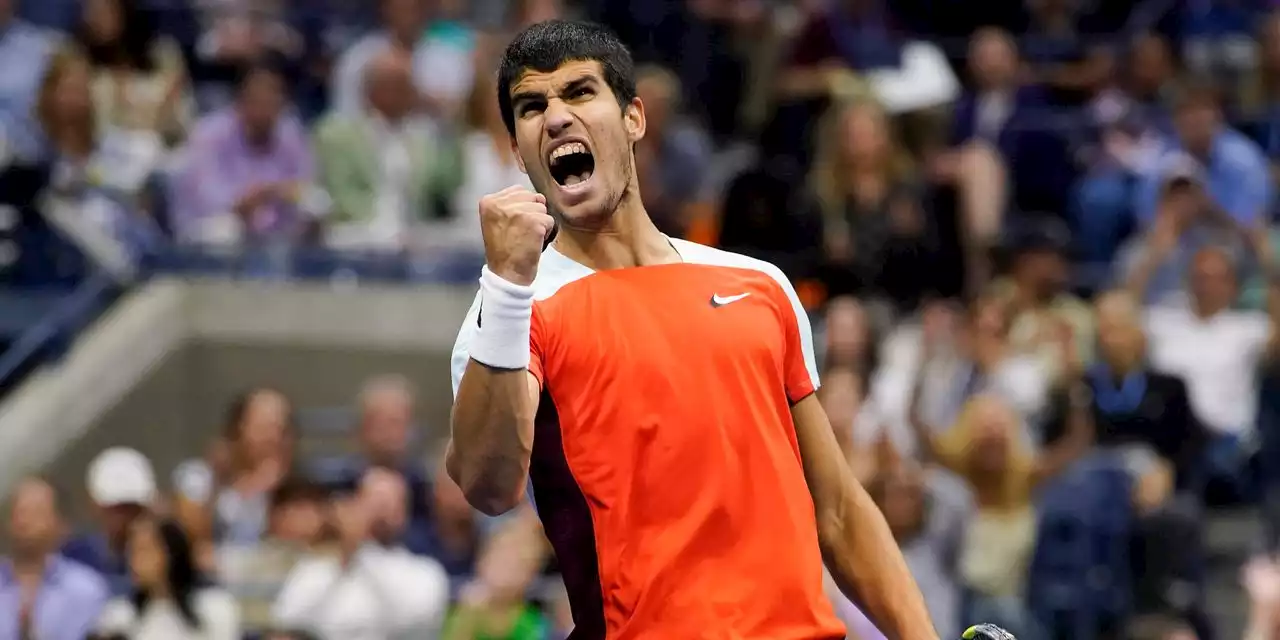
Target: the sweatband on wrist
(506, 311)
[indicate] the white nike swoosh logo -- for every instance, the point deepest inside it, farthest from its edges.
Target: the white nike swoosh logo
(720, 301)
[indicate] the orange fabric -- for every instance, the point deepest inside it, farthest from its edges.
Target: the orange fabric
(675, 418)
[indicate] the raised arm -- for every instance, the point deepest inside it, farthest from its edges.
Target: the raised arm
(496, 368)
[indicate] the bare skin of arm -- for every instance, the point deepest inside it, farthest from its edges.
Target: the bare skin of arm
(492, 436)
(857, 546)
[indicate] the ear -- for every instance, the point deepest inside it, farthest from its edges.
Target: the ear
(633, 119)
(515, 151)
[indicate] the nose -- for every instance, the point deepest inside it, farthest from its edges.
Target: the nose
(557, 118)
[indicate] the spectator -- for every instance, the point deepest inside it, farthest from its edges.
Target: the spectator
(258, 432)
(1218, 351)
(42, 594)
(168, 602)
(989, 363)
(986, 449)
(296, 525)
(489, 164)
(983, 140)
(673, 157)
(373, 589)
(140, 80)
(1154, 265)
(1150, 79)
(84, 170)
(1041, 308)
(20, 83)
(248, 168)
(122, 488)
(387, 169)
(1236, 173)
(853, 34)
(444, 67)
(877, 234)
(929, 527)
(494, 605)
(235, 33)
(1133, 404)
(1067, 59)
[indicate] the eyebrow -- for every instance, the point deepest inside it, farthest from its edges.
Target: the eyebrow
(517, 99)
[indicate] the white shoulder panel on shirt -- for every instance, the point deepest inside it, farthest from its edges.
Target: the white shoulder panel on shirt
(556, 271)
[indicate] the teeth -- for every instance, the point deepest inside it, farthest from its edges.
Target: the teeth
(566, 149)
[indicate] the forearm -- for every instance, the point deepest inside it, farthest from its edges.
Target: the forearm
(490, 447)
(865, 562)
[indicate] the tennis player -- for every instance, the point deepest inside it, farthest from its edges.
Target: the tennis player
(656, 395)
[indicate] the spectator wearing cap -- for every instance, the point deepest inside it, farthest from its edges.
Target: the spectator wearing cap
(1236, 174)
(1040, 304)
(42, 594)
(122, 487)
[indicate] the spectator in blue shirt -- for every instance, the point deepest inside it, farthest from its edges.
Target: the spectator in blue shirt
(43, 595)
(1235, 170)
(25, 50)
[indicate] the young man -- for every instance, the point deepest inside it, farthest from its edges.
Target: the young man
(658, 395)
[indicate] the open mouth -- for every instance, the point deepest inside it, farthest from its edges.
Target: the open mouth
(571, 164)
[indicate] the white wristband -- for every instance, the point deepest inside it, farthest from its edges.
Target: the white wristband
(506, 311)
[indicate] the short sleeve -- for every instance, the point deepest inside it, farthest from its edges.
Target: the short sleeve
(462, 346)
(800, 367)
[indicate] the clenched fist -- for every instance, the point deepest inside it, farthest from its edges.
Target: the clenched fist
(515, 224)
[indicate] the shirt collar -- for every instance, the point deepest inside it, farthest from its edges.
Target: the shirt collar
(53, 571)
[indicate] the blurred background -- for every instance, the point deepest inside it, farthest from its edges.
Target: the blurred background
(237, 240)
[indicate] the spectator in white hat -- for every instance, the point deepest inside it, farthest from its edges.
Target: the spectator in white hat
(122, 486)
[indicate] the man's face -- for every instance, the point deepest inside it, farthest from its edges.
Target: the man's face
(386, 496)
(300, 521)
(402, 17)
(261, 101)
(1213, 280)
(389, 85)
(575, 141)
(1197, 124)
(993, 60)
(385, 427)
(1045, 272)
(117, 518)
(33, 518)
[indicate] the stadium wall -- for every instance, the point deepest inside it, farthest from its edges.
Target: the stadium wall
(156, 372)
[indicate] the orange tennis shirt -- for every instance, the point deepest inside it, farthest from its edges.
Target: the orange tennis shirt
(665, 465)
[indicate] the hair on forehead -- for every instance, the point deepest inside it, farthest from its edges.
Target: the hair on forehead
(546, 46)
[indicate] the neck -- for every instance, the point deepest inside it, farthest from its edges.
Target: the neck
(73, 142)
(29, 565)
(629, 239)
(158, 591)
(1122, 366)
(1204, 311)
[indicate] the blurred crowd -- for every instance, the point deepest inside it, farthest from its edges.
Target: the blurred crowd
(1037, 234)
